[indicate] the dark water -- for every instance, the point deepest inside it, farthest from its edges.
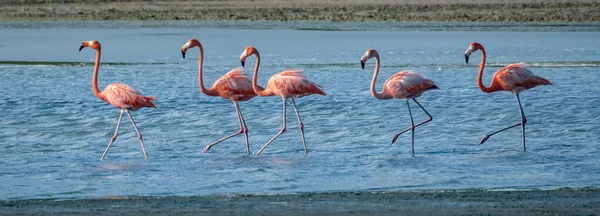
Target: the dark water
(53, 130)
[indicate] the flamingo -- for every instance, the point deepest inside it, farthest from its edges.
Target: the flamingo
(406, 84)
(234, 86)
(286, 84)
(514, 78)
(119, 95)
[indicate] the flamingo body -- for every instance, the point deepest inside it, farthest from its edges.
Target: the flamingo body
(516, 78)
(234, 85)
(125, 97)
(406, 84)
(291, 84)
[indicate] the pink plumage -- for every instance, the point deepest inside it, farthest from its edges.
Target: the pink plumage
(291, 84)
(517, 77)
(125, 97)
(119, 95)
(234, 86)
(514, 78)
(288, 84)
(406, 84)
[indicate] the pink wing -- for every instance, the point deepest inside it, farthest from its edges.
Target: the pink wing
(234, 85)
(407, 84)
(291, 83)
(125, 97)
(517, 77)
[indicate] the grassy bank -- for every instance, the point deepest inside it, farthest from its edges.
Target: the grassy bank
(324, 10)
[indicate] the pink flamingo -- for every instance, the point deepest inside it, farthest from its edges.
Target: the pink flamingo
(406, 85)
(287, 84)
(514, 78)
(234, 86)
(118, 95)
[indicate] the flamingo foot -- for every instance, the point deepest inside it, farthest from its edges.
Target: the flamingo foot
(206, 149)
(485, 138)
(394, 139)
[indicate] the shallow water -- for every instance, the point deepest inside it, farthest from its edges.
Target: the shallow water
(53, 130)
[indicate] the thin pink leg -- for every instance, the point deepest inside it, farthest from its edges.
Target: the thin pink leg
(243, 130)
(522, 123)
(429, 118)
(114, 137)
(138, 132)
(301, 127)
(276, 135)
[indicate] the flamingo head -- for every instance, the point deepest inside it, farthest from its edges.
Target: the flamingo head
(369, 54)
(190, 44)
(472, 48)
(94, 44)
(250, 50)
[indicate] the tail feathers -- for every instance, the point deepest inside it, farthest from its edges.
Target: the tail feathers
(544, 81)
(147, 101)
(433, 86)
(317, 90)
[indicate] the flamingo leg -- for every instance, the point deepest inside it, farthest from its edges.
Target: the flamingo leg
(138, 133)
(114, 137)
(280, 132)
(412, 130)
(522, 123)
(429, 118)
(301, 126)
(243, 130)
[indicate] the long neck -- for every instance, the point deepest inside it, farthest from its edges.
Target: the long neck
(378, 95)
(95, 76)
(480, 75)
(257, 89)
(200, 77)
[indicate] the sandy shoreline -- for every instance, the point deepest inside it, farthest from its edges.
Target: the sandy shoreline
(314, 10)
(564, 201)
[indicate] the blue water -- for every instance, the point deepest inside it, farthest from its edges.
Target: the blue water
(53, 130)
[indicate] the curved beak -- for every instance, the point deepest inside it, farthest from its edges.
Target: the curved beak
(80, 48)
(362, 64)
(183, 54)
(242, 63)
(467, 58)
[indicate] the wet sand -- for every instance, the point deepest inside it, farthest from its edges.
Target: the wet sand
(313, 10)
(564, 201)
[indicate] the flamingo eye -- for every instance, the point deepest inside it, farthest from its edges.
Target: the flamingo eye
(91, 43)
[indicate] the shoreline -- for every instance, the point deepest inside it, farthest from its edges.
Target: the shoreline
(310, 10)
(562, 201)
(311, 25)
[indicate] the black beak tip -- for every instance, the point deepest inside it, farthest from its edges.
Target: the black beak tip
(183, 54)
(80, 48)
(467, 58)
(362, 64)
(242, 63)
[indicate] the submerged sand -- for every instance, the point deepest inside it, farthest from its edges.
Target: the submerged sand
(314, 10)
(564, 201)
